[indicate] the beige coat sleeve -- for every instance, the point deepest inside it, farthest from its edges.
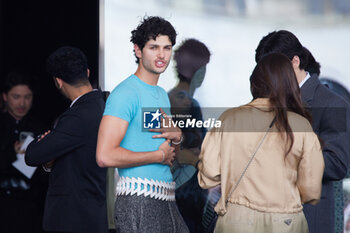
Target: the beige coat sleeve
(209, 166)
(310, 170)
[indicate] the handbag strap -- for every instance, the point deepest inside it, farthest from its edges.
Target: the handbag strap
(251, 159)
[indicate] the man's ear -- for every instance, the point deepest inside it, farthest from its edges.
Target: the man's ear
(59, 82)
(296, 62)
(138, 51)
(88, 73)
(4, 96)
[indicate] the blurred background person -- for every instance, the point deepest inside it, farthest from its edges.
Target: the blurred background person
(21, 196)
(191, 58)
(2, 107)
(265, 176)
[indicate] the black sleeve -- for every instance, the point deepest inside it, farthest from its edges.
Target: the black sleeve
(335, 133)
(66, 137)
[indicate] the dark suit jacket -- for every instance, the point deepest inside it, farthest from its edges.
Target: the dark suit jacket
(76, 198)
(331, 121)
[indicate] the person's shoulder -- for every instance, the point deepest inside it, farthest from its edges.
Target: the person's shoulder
(94, 102)
(2, 115)
(298, 123)
(235, 116)
(235, 112)
(195, 102)
(164, 96)
(124, 100)
(326, 96)
(130, 82)
(229, 113)
(173, 91)
(126, 87)
(3, 120)
(163, 92)
(235, 120)
(5, 115)
(98, 97)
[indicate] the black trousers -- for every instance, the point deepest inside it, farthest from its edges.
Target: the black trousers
(18, 215)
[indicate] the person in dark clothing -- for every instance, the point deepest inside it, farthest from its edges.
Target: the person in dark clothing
(76, 198)
(21, 196)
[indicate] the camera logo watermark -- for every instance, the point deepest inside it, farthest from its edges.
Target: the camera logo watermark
(151, 119)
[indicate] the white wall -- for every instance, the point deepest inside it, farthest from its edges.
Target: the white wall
(232, 41)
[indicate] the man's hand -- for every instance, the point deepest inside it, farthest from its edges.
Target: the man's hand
(170, 132)
(17, 147)
(48, 166)
(168, 153)
(44, 135)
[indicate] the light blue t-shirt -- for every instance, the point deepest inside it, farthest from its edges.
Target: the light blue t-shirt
(129, 101)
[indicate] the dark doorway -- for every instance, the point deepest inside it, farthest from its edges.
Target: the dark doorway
(31, 30)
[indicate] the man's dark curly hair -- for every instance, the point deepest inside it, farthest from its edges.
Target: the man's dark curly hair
(68, 64)
(150, 28)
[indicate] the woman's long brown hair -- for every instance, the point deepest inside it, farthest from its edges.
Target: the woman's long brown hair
(274, 78)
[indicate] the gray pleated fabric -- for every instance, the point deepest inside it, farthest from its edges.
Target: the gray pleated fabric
(140, 214)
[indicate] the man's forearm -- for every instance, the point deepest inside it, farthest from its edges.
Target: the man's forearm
(35, 155)
(335, 168)
(122, 158)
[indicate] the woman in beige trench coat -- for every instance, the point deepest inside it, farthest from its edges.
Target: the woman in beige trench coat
(287, 168)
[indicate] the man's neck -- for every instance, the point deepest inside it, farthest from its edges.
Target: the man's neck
(147, 77)
(183, 86)
(301, 75)
(75, 92)
(14, 117)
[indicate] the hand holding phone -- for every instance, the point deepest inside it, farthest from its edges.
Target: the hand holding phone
(23, 135)
(17, 147)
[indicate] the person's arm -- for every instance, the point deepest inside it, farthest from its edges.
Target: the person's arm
(109, 153)
(310, 170)
(209, 165)
(47, 166)
(335, 133)
(66, 137)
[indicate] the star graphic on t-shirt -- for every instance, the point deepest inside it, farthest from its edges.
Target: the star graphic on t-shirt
(155, 115)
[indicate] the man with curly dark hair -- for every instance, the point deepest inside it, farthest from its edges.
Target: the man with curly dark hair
(151, 29)
(76, 198)
(132, 140)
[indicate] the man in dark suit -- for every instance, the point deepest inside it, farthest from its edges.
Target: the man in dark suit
(76, 198)
(330, 120)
